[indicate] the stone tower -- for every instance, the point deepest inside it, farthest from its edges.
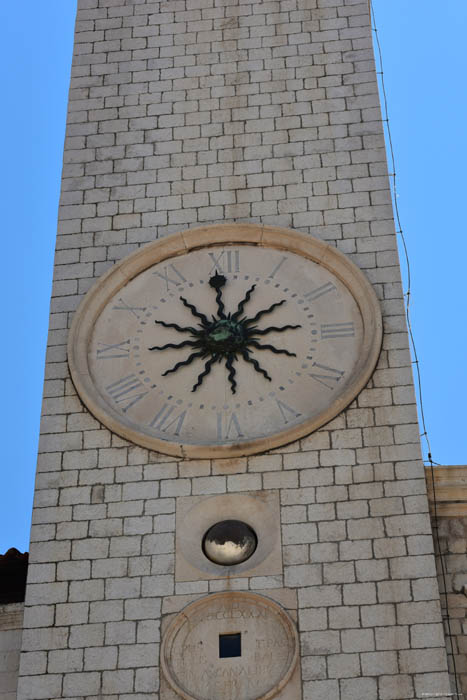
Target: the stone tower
(249, 118)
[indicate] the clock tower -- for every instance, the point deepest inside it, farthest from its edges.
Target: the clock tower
(230, 497)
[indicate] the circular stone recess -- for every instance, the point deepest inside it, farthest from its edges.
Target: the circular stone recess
(229, 542)
(199, 666)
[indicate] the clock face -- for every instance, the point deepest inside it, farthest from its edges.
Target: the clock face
(225, 348)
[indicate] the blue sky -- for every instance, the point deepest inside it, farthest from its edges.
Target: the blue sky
(424, 62)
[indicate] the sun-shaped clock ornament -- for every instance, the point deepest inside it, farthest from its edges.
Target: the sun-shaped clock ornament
(225, 337)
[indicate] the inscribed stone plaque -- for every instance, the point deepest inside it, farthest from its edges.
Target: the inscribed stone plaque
(234, 646)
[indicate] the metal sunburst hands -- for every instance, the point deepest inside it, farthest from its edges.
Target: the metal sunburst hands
(226, 337)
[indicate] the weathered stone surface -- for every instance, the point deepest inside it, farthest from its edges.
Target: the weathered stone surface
(259, 657)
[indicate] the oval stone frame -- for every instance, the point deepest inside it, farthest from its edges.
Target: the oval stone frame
(224, 234)
(187, 616)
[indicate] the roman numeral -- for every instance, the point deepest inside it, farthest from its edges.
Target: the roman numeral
(231, 425)
(226, 261)
(276, 269)
(166, 413)
(287, 412)
(177, 279)
(319, 291)
(132, 309)
(127, 391)
(334, 376)
(337, 330)
(109, 352)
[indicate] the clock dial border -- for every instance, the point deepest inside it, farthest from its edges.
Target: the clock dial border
(204, 237)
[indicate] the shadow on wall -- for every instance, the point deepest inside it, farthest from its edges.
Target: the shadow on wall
(13, 572)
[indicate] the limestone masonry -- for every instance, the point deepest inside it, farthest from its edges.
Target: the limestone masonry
(191, 112)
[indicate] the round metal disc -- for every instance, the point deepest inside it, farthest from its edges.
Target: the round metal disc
(229, 542)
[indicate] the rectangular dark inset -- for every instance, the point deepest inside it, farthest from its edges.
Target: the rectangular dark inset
(230, 645)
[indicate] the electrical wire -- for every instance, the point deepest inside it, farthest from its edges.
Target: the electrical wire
(400, 231)
(416, 362)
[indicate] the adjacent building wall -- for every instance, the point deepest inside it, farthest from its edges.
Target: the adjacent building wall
(453, 588)
(448, 508)
(11, 626)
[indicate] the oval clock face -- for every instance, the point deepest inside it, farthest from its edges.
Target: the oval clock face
(225, 341)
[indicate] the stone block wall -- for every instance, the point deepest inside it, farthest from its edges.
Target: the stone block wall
(190, 112)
